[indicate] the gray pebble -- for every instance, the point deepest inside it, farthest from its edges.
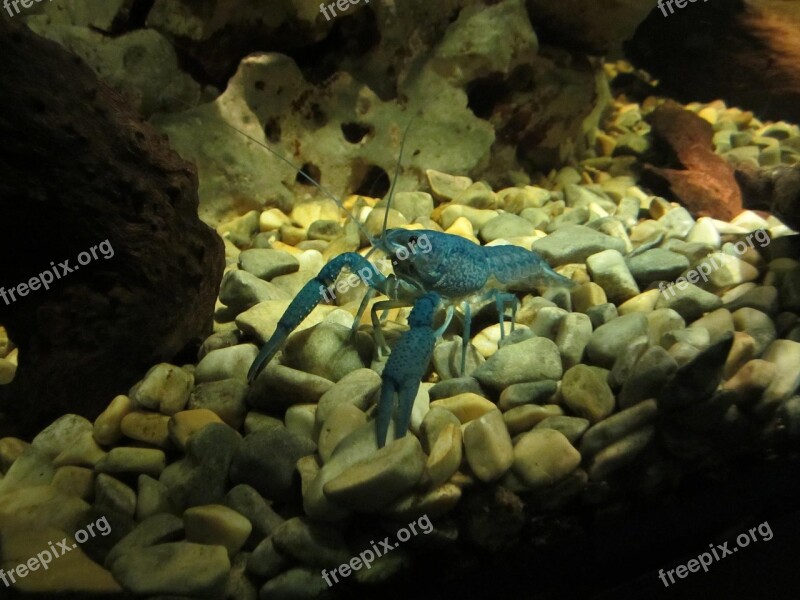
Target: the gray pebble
(266, 461)
(266, 264)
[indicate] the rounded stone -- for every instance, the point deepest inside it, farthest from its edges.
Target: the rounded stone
(587, 393)
(543, 457)
(488, 446)
(216, 524)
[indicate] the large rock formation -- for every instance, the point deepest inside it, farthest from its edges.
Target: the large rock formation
(80, 169)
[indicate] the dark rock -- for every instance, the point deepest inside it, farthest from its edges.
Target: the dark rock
(78, 169)
(266, 461)
(696, 380)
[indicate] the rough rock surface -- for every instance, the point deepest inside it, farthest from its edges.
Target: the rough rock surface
(96, 173)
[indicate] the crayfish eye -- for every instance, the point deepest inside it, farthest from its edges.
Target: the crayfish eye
(413, 239)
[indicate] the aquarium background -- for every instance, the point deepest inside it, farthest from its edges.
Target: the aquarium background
(199, 399)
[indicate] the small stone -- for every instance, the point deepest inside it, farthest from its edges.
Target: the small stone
(266, 562)
(266, 460)
(742, 350)
(454, 387)
(506, 225)
(609, 340)
(357, 388)
(678, 222)
(703, 232)
(445, 186)
(240, 229)
(609, 271)
(602, 314)
(688, 300)
(656, 265)
(60, 434)
(246, 501)
(256, 420)
(696, 380)
(466, 407)
(241, 290)
(152, 498)
(445, 455)
(547, 321)
(476, 216)
(323, 350)
(644, 303)
(756, 324)
(181, 426)
(618, 426)
(728, 270)
(74, 481)
(226, 363)
(537, 392)
(488, 447)
(73, 574)
(32, 468)
(531, 360)
(371, 485)
(718, 323)
(543, 457)
(310, 543)
(524, 418)
(151, 428)
(620, 453)
(151, 531)
(10, 450)
(216, 524)
(586, 296)
(663, 321)
(763, 298)
(695, 336)
(751, 380)
(785, 355)
(574, 243)
(84, 452)
(162, 570)
(278, 387)
(133, 460)
(296, 583)
(586, 392)
(683, 353)
(225, 398)
(573, 335)
(651, 372)
(114, 495)
(571, 427)
(267, 264)
(165, 388)
(413, 205)
(299, 419)
(343, 420)
(107, 429)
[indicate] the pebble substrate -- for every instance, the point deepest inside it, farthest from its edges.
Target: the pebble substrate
(621, 385)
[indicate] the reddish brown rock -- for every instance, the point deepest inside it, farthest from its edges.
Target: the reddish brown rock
(706, 185)
(78, 167)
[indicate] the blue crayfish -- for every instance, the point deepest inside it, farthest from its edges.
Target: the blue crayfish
(450, 271)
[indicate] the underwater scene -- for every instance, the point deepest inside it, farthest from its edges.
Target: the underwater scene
(400, 299)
